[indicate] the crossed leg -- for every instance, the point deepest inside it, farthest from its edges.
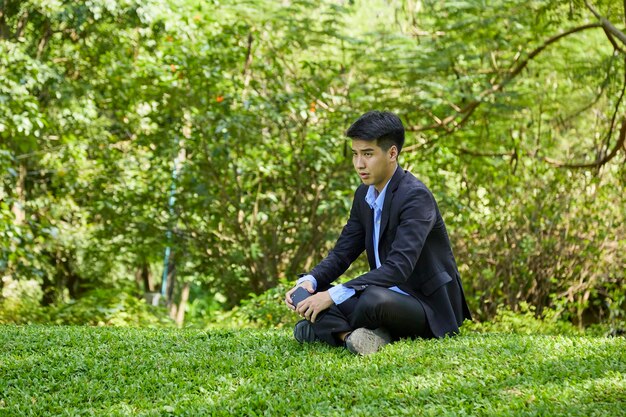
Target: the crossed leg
(401, 315)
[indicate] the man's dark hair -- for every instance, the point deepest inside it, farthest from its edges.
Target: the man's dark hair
(382, 126)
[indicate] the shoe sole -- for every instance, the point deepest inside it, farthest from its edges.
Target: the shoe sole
(364, 341)
(303, 335)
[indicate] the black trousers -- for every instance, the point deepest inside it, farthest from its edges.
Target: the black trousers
(401, 315)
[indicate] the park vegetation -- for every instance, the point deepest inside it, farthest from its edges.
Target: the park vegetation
(199, 145)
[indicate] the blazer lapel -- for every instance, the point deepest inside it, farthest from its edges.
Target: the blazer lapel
(391, 189)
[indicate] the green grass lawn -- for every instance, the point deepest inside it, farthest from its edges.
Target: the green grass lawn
(121, 371)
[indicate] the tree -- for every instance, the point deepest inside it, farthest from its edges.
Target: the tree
(215, 130)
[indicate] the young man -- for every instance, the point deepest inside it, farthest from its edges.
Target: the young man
(413, 288)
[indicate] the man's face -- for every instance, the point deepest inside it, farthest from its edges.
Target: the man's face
(374, 166)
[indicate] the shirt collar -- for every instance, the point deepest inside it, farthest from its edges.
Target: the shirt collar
(376, 201)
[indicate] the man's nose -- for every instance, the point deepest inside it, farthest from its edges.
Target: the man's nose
(358, 162)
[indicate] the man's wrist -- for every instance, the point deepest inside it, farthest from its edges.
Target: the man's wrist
(339, 293)
(309, 278)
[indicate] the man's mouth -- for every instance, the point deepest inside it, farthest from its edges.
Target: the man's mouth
(363, 175)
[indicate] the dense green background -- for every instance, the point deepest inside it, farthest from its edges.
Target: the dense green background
(235, 110)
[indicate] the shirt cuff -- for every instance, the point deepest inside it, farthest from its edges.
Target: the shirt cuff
(310, 278)
(339, 293)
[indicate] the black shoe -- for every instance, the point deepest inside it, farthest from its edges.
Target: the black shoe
(303, 332)
(364, 341)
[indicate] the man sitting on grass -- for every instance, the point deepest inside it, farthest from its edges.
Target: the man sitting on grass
(413, 288)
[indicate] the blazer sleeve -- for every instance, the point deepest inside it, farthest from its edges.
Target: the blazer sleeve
(349, 246)
(417, 216)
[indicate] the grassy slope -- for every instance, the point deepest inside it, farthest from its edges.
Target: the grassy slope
(117, 371)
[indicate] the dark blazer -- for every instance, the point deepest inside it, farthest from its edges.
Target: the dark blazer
(414, 251)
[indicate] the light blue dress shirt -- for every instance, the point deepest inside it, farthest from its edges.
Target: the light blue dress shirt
(339, 293)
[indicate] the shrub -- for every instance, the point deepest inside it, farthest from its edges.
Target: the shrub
(110, 307)
(525, 321)
(99, 307)
(266, 310)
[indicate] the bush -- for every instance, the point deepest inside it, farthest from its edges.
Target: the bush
(19, 302)
(266, 310)
(559, 248)
(110, 307)
(526, 321)
(100, 307)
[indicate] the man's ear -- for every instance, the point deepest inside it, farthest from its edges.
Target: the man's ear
(393, 153)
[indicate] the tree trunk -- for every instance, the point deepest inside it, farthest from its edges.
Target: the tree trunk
(184, 297)
(143, 278)
(49, 291)
(50, 283)
(71, 278)
(169, 292)
(18, 206)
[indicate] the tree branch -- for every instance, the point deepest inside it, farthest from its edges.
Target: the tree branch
(621, 143)
(44, 39)
(21, 24)
(612, 40)
(606, 24)
(617, 104)
(418, 146)
(485, 154)
(248, 61)
(598, 163)
(5, 33)
(473, 105)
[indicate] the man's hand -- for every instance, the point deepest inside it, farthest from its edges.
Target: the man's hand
(307, 285)
(315, 304)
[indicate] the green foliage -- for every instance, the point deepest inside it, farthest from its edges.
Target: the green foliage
(525, 321)
(99, 307)
(555, 246)
(79, 370)
(236, 111)
(265, 311)
(20, 303)
(257, 160)
(501, 105)
(110, 307)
